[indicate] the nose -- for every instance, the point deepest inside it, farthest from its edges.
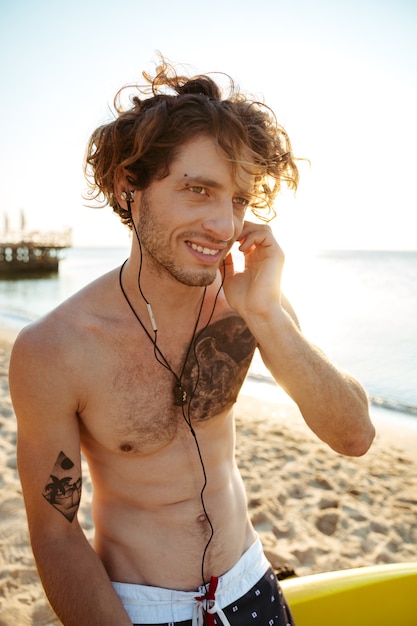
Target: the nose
(220, 221)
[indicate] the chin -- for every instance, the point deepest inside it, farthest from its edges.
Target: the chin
(197, 279)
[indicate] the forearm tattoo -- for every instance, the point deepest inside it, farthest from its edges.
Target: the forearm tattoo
(63, 489)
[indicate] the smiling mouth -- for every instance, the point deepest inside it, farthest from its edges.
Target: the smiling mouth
(203, 250)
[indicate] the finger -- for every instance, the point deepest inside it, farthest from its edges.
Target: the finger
(247, 228)
(254, 239)
(256, 230)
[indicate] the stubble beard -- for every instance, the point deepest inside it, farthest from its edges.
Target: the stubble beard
(157, 254)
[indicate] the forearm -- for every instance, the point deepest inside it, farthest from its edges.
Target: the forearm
(333, 404)
(76, 583)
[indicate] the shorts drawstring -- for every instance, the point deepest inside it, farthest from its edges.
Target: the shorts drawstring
(207, 607)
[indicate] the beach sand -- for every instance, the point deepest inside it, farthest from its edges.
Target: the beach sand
(315, 510)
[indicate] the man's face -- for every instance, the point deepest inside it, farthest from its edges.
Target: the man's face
(189, 220)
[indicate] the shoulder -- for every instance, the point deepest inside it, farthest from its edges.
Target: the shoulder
(56, 345)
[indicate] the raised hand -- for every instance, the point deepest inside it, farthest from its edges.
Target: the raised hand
(258, 287)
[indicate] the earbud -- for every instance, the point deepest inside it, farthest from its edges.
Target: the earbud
(127, 195)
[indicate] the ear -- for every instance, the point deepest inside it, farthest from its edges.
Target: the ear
(120, 187)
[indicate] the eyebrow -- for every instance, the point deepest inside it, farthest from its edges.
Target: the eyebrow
(203, 180)
(210, 182)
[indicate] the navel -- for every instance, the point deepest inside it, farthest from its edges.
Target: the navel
(202, 519)
(126, 447)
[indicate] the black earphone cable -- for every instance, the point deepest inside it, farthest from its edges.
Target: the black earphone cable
(159, 356)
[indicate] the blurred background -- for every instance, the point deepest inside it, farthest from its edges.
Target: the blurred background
(341, 78)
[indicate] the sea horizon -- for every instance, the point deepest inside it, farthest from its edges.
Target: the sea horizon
(358, 306)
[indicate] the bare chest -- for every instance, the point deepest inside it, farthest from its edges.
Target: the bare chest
(144, 398)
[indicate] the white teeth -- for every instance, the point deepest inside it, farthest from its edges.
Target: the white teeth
(203, 250)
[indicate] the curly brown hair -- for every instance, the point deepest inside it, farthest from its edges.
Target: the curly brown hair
(142, 141)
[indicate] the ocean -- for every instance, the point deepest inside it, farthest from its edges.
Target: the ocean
(359, 307)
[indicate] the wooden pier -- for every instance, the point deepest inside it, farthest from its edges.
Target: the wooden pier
(34, 254)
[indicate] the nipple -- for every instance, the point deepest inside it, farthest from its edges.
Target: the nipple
(202, 519)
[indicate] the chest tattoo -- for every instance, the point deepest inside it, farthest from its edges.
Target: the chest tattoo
(217, 366)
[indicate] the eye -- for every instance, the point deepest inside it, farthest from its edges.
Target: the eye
(243, 203)
(197, 189)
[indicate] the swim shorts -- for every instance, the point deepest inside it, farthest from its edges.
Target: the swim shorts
(248, 594)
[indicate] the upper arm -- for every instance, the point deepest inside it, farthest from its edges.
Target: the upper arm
(48, 440)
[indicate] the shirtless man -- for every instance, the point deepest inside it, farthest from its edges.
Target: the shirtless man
(140, 371)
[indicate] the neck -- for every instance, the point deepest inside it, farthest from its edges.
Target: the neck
(168, 297)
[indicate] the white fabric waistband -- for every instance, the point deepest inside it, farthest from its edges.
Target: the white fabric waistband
(156, 605)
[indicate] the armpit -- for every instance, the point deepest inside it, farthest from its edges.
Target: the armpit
(63, 489)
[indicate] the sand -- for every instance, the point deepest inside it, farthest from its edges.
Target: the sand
(315, 510)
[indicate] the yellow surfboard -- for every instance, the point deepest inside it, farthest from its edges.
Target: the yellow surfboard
(381, 595)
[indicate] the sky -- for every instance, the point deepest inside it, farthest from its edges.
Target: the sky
(340, 76)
